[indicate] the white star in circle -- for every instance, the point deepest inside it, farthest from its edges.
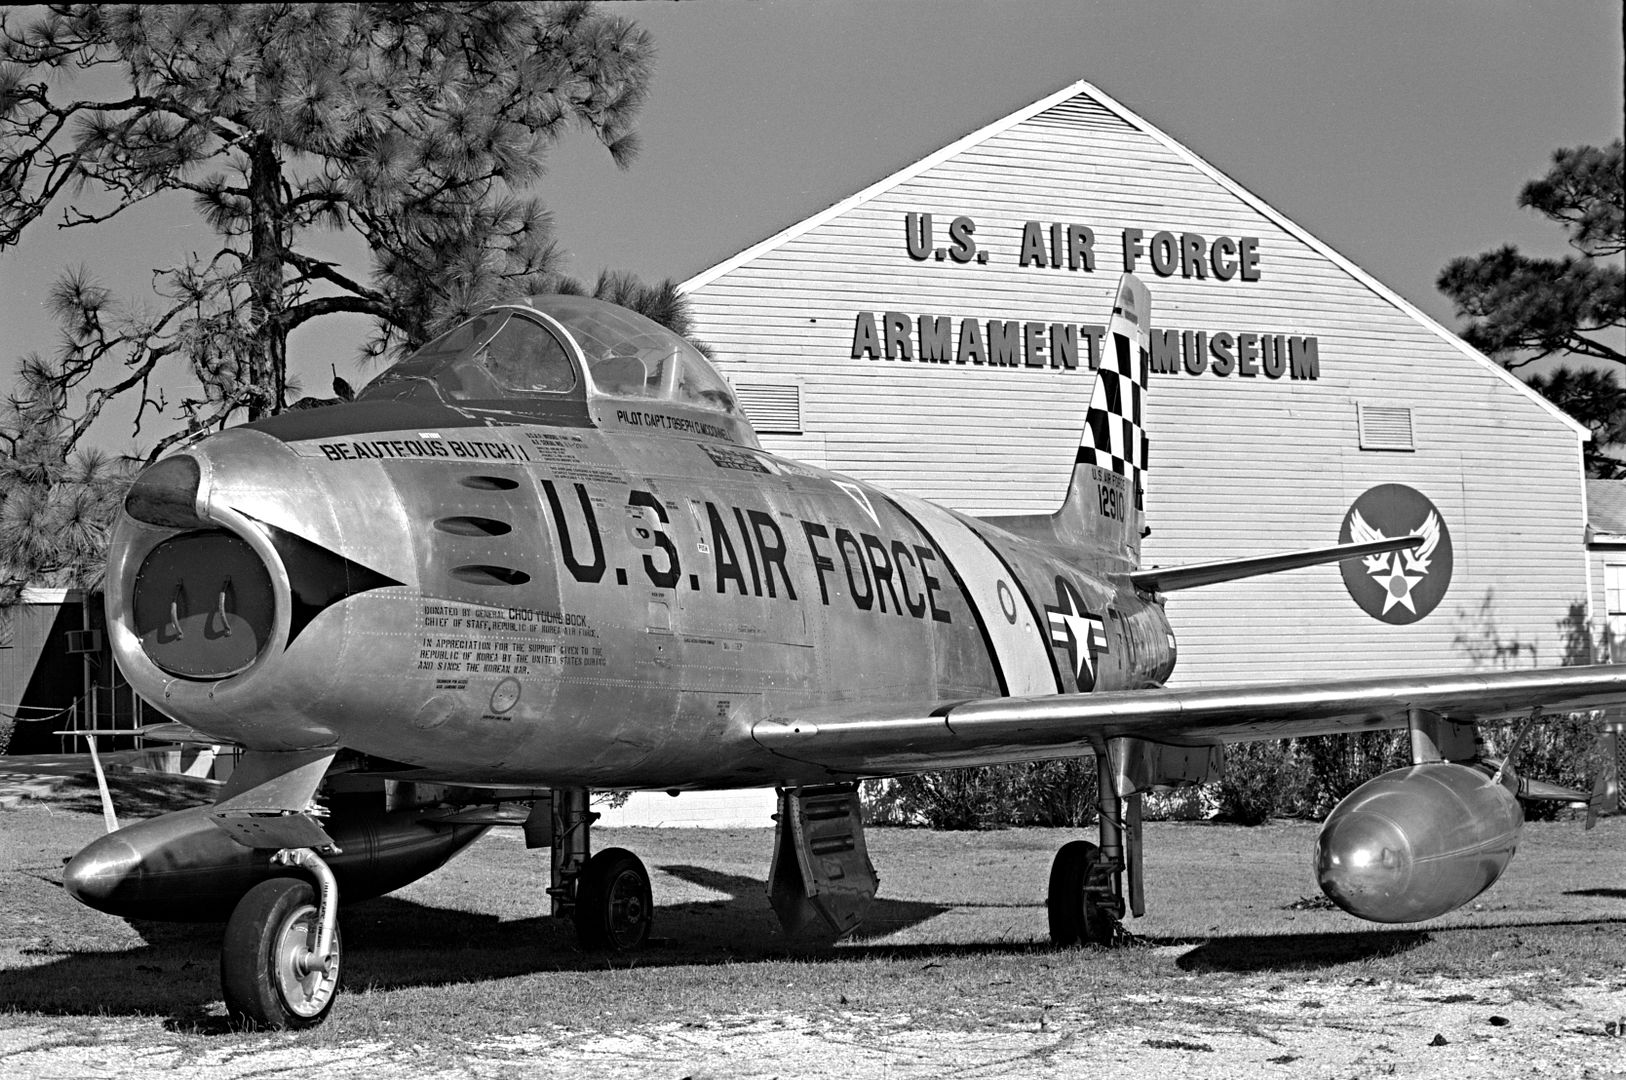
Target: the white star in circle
(1397, 584)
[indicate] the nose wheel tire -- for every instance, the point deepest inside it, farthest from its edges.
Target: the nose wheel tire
(614, 905)
(267, 970)
(1076, 915)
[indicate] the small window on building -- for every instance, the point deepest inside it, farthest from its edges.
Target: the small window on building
(773, 410)
(1385, 427)
(1614, 602)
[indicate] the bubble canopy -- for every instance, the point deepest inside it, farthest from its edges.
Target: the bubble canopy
(556, 348)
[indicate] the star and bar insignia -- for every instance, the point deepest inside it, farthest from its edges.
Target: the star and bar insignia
(1083, 635)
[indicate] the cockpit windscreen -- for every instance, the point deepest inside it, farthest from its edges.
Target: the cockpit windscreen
(498, 354)
(509, 354)
(631, 356)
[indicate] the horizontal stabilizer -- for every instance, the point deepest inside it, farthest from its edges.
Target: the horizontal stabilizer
(168, 731)
(1605, 797)
(1542, 791)
(1171, 578)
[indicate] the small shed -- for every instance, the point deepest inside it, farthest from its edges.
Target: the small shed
(57, 674)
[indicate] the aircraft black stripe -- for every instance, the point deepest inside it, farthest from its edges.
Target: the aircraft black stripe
(1039, 620)
(965, 593)
(318, 576)
(364, 418)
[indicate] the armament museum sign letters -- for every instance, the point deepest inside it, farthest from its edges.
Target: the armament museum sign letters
(996, 342)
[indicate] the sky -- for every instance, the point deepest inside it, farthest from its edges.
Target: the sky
(1398, 133)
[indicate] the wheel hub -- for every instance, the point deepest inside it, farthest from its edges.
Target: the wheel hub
(304, 980)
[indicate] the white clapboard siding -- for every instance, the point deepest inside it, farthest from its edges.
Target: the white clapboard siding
(1239, 466)
(1606, 545)
(1605, 553)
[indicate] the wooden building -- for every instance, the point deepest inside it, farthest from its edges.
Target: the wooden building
(57, 674)
(933, 333)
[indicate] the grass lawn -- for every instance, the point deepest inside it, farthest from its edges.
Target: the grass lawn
(957, 934)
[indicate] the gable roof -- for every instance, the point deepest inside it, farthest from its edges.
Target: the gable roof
(1092, 96)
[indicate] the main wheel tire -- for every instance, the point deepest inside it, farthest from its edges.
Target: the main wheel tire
(271, 933)
(1075, 918)
(614, 905)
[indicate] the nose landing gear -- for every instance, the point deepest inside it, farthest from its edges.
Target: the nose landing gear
(273, 968)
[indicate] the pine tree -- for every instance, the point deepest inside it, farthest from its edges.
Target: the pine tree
(1524, 309)
(56, 507)
(419, 127)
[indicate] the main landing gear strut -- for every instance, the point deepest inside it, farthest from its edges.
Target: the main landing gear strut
(606, 895)
(1086, 899)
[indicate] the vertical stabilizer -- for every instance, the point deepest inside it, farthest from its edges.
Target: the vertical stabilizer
(1103, 510)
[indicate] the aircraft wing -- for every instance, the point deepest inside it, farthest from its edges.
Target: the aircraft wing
(998, 730)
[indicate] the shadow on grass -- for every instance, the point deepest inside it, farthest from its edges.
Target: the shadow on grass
(135, 794)
(1252, 953)
(393, 943)
(746, 914)
(1612, 894)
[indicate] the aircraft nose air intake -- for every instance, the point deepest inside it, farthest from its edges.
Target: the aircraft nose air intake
(203, 605)
(227, 554)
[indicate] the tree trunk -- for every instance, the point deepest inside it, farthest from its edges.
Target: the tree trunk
(269, 342)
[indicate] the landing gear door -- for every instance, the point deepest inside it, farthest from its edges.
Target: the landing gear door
(821, 882)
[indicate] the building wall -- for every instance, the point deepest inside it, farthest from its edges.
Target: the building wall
(1240, 465)
(751, 808)
(1608, 632)
(39, 679)
(44, 682)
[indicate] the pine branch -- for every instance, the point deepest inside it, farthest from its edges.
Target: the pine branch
(300, 314)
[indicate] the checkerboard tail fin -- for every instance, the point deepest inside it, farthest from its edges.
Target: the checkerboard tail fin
(1103, 511)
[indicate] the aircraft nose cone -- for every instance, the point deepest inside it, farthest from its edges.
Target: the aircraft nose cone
(102, 873)
(1364, 864)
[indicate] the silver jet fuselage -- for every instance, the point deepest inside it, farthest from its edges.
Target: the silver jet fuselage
(548, 551)
(585, 589)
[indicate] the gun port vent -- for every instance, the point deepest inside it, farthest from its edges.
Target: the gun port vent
(473, 526)
(490, 575)
(490, 483)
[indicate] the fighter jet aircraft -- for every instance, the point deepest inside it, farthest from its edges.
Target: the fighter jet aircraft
(546, 554)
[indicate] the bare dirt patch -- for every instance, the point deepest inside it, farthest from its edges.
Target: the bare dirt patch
(1489, 1028)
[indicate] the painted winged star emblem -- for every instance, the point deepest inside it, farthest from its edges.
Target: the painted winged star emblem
(1398, 572)
(1083, 635)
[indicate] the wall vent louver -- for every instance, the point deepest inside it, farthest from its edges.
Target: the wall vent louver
(773, 410)
(1385, 427)
(1081, 111)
